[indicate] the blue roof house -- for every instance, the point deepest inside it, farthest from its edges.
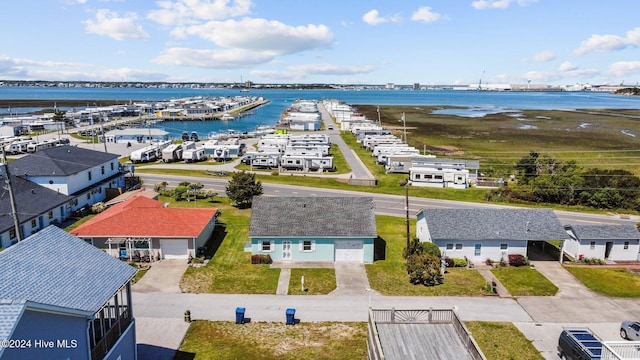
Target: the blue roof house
(61, 298)
(313, 228)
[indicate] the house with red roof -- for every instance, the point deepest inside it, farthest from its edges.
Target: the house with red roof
(144, 229)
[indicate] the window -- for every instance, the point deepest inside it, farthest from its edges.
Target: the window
(417, 176)
(50, 214)
(266, 246)
(102, 169)
(592, 245)
(88, 196)
(626, 245)
(111, 166)
(458, 246)
(12, 233)
(33, 223)
(89, 174)
(307, 245)
(449, 246)
(504, 246)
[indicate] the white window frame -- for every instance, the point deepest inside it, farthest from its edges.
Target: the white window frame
(270, 243)
(504, 246)
(449, 246)
(592, 245)
(459, 246)
(312, 246)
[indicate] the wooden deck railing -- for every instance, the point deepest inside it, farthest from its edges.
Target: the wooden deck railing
(428, 316)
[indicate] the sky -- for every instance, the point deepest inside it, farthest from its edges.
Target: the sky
(436, 42)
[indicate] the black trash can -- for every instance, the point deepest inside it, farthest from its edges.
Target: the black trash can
(291, 315)
(240, 315)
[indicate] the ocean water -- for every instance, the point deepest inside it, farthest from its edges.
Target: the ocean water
(280, 100)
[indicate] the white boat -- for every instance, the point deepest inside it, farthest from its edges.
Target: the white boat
(227, 117)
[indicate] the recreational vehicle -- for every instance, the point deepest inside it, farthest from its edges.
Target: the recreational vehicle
(18, 146)
(194, 155)
(172, 153)
(306, 162)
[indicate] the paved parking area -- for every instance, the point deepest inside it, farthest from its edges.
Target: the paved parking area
(163, 277)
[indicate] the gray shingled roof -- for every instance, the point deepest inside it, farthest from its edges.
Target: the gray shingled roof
(494, 224)
(53, 267)
(312, 216)
(10, 311)
(614, 232)
(60, 161)
(31, 200)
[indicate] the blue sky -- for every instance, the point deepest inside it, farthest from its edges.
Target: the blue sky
(556, 42)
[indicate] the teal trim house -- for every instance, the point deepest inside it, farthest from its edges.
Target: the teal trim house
(323, 229)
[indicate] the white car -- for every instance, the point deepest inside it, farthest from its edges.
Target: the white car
(630, 330)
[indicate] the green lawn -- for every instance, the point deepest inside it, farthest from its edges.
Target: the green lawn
(502, 341)
(389, 276)
(316, 281)
(209, 340)
(524, 281)
(230, 270)
(615, 282)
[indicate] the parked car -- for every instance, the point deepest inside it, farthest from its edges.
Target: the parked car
(630, 330)
(579, 344)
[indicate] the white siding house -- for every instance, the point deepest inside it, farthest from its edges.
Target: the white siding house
(606, 242)
(480, 234)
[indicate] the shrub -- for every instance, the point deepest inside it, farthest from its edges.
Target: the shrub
(459, 262)
(488, 262)
(449, 261)
(261, 259)
(518, 260)
(424, 269)
(431, 249)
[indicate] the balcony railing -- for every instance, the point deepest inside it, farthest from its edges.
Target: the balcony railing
(111, 336)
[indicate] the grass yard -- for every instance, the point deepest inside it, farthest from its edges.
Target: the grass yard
(502, 341)
(389, 276)
(524, 281)
(616, 282)
(229, 271)
(316, 281)
(263, 341)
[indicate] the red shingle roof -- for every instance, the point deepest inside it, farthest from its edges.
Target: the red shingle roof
(141, 216)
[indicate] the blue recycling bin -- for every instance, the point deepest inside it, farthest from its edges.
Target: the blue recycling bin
(240, 315)
(291, 315)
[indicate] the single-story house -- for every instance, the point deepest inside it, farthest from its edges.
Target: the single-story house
(143, 228)
(481, 234)
(601, 241)
(313, 228)
(64, 299)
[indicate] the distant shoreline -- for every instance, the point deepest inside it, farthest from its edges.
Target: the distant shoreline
(49, 104)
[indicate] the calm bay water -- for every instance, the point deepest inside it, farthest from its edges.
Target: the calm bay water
(280, 100)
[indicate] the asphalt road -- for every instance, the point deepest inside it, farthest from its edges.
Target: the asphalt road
(393, 205)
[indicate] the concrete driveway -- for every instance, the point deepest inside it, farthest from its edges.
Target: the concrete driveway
(163, 277)
(351, 279)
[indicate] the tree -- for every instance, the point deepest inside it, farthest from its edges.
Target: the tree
(242, 188)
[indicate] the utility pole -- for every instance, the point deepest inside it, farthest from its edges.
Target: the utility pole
(406, 206)
(14, 210)
(104, 136)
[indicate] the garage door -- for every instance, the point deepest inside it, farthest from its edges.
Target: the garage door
(351, 250)
(174, 249)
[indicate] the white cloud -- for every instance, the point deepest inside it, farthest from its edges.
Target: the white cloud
(221, 59)
(544, 56)
(567, 66)
(424, 14)
(606, 43)
(298, 72)
(499, 4)
(262, 35)
(373, 18)
(111, 24)
(191, 11)
(623, 68)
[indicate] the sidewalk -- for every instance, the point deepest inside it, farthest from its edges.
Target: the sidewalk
(485, 271)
